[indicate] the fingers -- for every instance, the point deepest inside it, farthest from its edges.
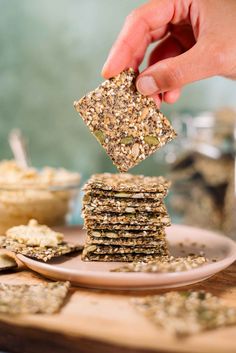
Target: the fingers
(181, 38)
(144, 25)
(167, 48)
(172, 96)
(157, 99)
(169, 74)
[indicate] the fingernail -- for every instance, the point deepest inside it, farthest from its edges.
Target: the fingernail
(147, 85)
(104, 68)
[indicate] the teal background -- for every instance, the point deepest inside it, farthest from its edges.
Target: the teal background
(51, 53)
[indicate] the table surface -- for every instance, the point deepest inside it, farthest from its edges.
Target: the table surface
(102, 321)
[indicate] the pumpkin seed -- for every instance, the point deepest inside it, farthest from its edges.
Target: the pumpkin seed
(99, 135)
(127, 140)
(151, 140)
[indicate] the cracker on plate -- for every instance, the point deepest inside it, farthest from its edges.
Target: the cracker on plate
(126, 227)
(123, 208)
(128, 218)
(144, 241)
(37, 252)
(119, 249)
(148, 196)
(133, 234)
(127, 183)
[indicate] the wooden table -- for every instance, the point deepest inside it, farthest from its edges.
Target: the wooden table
(94, 321)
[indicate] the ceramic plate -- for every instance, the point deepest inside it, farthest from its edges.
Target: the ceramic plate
(220, 250)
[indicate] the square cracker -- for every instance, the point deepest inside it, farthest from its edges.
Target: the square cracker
(122, 207)
(127, 218)
(114, 203)
(37, 252)
(116, 234)
(144, 241)
(125, 227)
(116, 249)
(125, 183)
(43, 298)
(127, 124)
(149, 196)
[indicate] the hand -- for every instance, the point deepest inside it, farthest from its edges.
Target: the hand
(197, 39)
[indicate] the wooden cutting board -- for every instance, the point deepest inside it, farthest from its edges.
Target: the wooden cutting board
(103, 322)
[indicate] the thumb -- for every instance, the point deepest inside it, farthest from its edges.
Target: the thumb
(201, 61)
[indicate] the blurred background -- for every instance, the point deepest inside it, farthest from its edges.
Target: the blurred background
(52, 53)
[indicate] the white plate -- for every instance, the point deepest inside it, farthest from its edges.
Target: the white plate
(217, 248)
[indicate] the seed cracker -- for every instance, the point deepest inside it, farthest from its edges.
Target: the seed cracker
(110, 249)
(165, 264)
(186, 313)
(144, 241)
(127, 183)
(133, 234)
(126, 227)
(150, 196)
(128, 218)
(116, 204)
(35, 234)
(127, 124)
(123, 208)
(7, 263)
(43, 298)
(37, 252)
(119, 257)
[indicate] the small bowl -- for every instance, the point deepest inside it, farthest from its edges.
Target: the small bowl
(49, 203)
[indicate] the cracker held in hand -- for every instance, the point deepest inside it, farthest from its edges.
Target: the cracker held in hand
(127, 124)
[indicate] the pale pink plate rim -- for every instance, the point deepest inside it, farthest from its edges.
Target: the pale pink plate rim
(207, 270)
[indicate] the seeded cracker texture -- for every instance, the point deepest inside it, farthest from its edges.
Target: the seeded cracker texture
(127, 183)
(186, 313)
(37, 252)
(128, 218)
(144, 241)
(138, 249)
(148, 196)
(95, 233)
(164, 264)
(127, 124)
(126, 205)
(43, 298)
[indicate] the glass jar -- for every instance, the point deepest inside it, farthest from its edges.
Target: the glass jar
(202, 170)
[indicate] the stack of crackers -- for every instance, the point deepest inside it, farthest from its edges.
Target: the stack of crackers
(125, 217)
